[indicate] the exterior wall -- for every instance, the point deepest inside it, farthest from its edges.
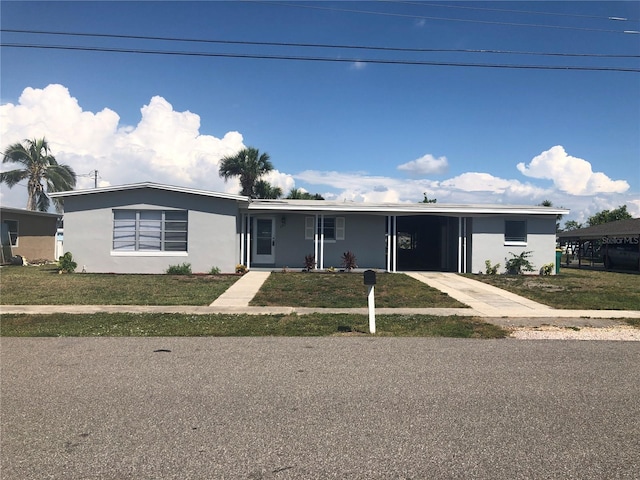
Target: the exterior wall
(212, 232)
(364, 236)
(488, 241)
(36, 235)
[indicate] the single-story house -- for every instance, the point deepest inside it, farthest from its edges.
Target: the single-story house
(615, 244)
(146, 227)
(28, 234)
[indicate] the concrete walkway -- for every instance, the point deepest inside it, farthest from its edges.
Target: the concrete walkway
(484, 300)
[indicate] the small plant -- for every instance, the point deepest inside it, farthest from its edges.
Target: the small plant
(214, 271)
(491, 269)
(182, 269)
(309, 262)
(331, 270)
(285, 269)
(349, 261)
(547, 269)
(241, 269)
(66, 263)
(519, 263)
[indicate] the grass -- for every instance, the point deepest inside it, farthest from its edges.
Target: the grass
(347, 290)
(159, 325)
(574, 289)
(43, 285)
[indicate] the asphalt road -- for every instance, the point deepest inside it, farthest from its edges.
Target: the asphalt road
(316, 408)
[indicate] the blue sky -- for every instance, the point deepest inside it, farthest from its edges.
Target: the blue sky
(350, 130)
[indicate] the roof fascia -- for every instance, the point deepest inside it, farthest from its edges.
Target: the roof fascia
(24, 211)
(155, 186)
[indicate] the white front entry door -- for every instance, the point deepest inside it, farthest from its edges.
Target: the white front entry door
(264, 240)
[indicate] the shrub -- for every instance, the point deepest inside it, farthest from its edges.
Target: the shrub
(349, 261)
(309, 262)
(66, 263)
(214, 271)
(491, 269)
(241, 269)
(517, 263)
(182, 269)
(547, 269)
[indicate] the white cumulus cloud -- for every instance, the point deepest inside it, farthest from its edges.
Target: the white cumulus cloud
(426, 165)
(570, 174)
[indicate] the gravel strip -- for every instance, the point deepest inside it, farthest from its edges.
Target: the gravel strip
(624, 333)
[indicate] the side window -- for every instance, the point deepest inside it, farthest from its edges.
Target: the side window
(150, 230)
(12, 229)
(334, 228)
(515, 231)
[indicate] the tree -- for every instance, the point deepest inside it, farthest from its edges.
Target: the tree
(428, 200)
(607, 216)
(249, 165)
(297, 194)
(549, 203)
(572, 225)
(264, 189)
(40, 169)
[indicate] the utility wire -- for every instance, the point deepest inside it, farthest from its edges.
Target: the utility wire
(527, 12)
(423, 17)
(320, 59)
(319, 45)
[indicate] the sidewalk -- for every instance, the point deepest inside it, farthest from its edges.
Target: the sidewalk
(490, 303)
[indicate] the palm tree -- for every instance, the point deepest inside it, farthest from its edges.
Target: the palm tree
(249, 165)
(39, 167)
(297, 194)
(264, 189)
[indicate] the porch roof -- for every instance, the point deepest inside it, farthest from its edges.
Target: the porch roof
(319, 206)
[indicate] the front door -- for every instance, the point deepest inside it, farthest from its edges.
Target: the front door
(264, 240)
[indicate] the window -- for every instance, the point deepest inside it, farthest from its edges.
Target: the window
(515, 231)
(12, 231)
(334, 228)
(150, 230)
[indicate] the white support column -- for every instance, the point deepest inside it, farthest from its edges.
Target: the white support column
(315, 241)
(322, 241)
(464, 245)
(460, 252)
(388, 243)
(248, 249)
(242, 238)
(394, 221)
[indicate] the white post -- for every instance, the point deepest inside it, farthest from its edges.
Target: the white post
(372, 309)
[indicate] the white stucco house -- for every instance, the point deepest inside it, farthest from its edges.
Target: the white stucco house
(145, 227)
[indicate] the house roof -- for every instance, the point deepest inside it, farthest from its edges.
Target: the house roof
(621, 228)
(23, 211)
(151, 185)
(317, 206)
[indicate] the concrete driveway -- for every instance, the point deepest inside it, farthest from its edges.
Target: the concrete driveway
(318, 408)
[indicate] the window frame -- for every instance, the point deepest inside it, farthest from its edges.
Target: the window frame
(515, 232)
(14, 235)
(148, 232)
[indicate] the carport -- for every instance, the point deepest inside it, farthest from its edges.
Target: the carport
(427, 243)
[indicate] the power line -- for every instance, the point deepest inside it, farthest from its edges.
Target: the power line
(316, 45)
(321, 59)
(526, 12)
(423, 17)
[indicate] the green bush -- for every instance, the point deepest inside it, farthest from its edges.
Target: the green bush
(491, 269)
(547, 269)
(66, 263)
(182, 269)
(519, 263)
(214, 271)
(241, 269)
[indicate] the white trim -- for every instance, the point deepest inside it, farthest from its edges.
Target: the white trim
(321, 241)
(315, 242)
(144, 253)
(515, 244)
(340, 228)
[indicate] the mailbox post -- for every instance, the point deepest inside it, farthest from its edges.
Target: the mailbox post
(370, 282)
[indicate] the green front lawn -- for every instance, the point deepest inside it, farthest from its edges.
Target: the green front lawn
(347, 290)
(574, 289)
(44, 286)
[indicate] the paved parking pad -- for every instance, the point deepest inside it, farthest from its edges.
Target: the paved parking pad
(318, 408)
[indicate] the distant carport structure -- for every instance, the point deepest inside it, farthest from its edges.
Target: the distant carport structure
(616, 243)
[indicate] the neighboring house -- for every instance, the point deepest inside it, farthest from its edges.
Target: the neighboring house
(29, 234)
(615, 244)
(145, 227)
